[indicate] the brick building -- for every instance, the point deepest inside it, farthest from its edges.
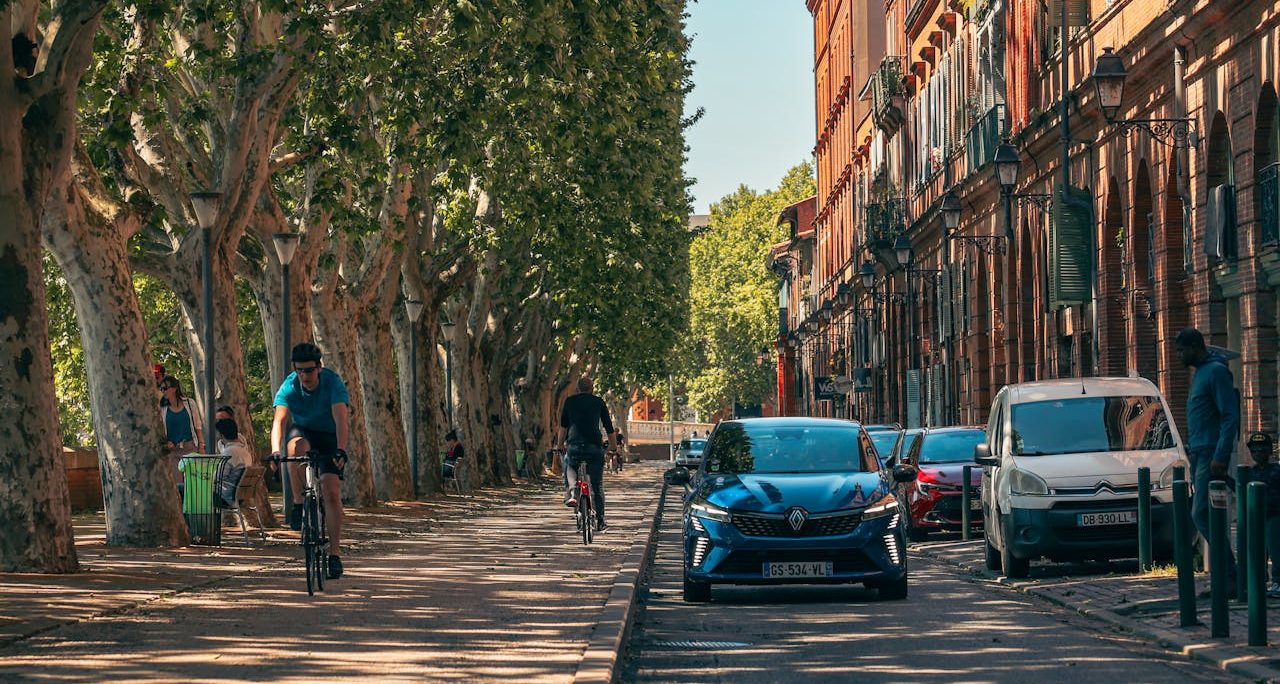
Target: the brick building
(1157, 230)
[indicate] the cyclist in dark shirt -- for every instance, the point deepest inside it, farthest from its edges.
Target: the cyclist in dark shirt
(585, 427)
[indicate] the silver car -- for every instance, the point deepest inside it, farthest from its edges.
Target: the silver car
(689, 452)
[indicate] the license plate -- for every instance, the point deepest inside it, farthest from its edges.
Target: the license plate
(787, 570)
(1115, 518)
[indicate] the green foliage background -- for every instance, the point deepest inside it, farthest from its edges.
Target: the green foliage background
(733, 297)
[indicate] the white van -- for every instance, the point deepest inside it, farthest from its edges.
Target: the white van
(1060, 471)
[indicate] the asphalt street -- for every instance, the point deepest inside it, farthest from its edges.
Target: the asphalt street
(952, 628)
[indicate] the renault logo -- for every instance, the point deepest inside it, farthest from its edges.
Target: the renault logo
(796, 518)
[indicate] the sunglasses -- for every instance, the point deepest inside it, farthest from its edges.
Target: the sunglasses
(308, 370)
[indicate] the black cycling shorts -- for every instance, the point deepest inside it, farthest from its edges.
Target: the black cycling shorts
(326, 443)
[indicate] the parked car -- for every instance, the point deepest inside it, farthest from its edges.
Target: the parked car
(1061, 471)
(939, 456)
(689, 452)
(901, 446)
(885, 437)
(793, 500)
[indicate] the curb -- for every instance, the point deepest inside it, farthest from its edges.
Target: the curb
(1231, 659)
(600, 660)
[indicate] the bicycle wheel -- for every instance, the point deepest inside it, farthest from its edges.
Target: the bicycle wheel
(588, 520)
(320, 542)
(313, 568)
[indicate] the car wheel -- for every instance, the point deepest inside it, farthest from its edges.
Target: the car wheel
(1014, 567)
(914, 533)
(893, 591)
(696, 592)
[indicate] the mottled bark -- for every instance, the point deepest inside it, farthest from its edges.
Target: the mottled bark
(432, 417)
(87, 235)
(388, 449)
(336, 337)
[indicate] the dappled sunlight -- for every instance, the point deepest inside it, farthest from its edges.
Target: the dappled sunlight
(487, 585)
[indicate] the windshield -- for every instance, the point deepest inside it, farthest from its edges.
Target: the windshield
(1090, 425)
(951, 447)
(747, 448)
(884, 440)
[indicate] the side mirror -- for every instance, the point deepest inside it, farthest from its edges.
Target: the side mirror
(905, 473)
(677, 476)
(982, 455)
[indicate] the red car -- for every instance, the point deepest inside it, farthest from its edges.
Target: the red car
(940, 455)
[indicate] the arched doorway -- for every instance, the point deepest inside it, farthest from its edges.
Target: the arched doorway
(1025, 286)
(1222, 323)
(1112, 343)
(1142, 230)
(1264, 235)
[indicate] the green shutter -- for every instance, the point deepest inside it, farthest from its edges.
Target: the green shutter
(1077, 12)
(1070, 248)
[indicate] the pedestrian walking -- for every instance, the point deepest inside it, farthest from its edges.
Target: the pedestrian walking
(1265, 470)
(1213, 424)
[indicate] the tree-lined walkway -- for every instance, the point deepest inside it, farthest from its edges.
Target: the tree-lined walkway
(490, 586)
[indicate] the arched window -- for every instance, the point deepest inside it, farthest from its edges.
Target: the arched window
(1220, 224)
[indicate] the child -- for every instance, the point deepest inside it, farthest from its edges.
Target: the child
(1265, 470)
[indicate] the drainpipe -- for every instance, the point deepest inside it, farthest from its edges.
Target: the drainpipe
(1181, 152)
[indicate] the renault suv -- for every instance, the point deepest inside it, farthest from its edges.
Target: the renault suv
(793, 500)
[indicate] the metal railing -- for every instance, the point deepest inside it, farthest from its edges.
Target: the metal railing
(983, 138)
(886, 86)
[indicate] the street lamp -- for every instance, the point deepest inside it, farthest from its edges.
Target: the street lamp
(286, 246)
(844, 294)
(1109, 74)
(413, 307)
(206, 205)
(826, 310)
(446, 327)
(868, 275)
(1007, 162)
(762, 356)
(902, 249)
(950, 210)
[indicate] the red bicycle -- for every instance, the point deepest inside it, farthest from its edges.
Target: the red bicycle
(584, 514)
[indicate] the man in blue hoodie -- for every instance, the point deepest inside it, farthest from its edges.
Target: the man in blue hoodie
(1213, 422)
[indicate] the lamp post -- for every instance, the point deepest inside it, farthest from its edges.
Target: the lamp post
(1108, 75)
(867, 272)
(286, 246)
(206, 205)
(447, 329)
(413, 308)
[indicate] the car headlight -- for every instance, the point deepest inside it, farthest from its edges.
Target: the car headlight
(886, 506)
(1166, 476)
(1023, 482)
(704, 509)
(926, 487)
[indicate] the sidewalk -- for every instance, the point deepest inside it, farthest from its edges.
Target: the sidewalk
(489, 585)
(1144, 605)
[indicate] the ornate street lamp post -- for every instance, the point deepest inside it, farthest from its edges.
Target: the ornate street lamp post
(413, 307)
(447, 328)
(286, 245)
(1109, 74)
(206, 205)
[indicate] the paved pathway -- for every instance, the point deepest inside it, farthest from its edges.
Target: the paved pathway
(951, 629)
(492, 586)
(1143, 604)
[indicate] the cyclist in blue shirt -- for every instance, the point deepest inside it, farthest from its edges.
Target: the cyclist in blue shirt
(316, 399)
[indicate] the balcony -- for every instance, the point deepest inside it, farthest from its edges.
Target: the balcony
(983, 138)
(885, 220)
(889, 96)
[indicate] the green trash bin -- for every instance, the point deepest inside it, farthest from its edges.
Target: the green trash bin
(199, 476)
(520, 460)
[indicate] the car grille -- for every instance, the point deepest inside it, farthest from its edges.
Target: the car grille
(1099, 533)
(752, 562)
(948, 507)
(761, 526)
(1095, 505)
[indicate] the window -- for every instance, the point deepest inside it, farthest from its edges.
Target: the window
(783, 448)
(1090, 425)
(950, 447)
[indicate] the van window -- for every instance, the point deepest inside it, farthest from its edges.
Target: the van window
(995, 425)
(1090, 425)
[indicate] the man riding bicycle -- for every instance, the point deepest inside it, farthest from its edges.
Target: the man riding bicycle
(581, 419)
(317, 401)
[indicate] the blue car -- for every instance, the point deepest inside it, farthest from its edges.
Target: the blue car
(793, 500)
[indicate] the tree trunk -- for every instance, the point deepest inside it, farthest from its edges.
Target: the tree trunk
(35, 511)
(433, 420)
(387, 445)
(139, 498)
(337, 339)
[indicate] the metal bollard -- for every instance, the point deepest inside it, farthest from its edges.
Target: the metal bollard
(1182, 555)
(1144, 519)
(1243, 475)
(1257, 523)
(1219, 501)
(966, 497)
(1179, 472)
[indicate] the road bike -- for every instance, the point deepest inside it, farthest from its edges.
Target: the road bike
(584, 514)
(315, 539)
(615, 461)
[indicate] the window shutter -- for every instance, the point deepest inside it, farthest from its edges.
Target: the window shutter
(1077, 12)
(1070, 247)
(945, 301)
(1220, 232)
(913, 398)
(1269, 203)
(964, 296)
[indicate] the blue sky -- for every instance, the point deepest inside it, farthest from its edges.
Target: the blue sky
(754, 76)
